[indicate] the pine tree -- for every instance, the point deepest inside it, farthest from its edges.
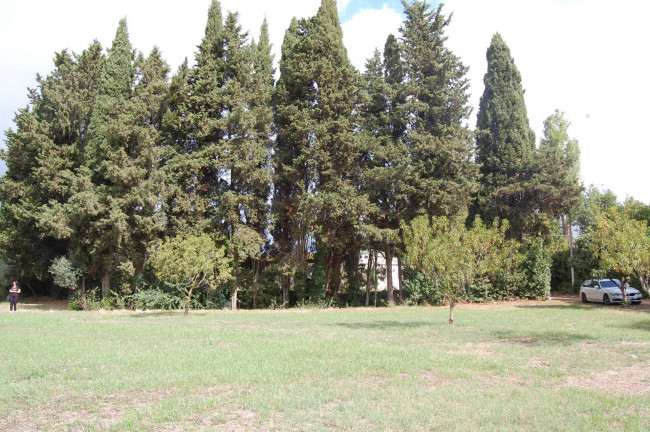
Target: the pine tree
(505, 143)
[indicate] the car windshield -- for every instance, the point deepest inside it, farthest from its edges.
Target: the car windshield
(608, 284)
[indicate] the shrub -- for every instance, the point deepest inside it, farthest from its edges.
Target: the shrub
(537, 268)
(155, 299)
(420, 289)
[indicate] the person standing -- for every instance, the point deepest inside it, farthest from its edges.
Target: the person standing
(13, 296)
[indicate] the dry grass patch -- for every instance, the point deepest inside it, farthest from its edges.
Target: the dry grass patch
(630, 380)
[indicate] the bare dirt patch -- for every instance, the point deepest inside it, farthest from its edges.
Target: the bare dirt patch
(556, 299)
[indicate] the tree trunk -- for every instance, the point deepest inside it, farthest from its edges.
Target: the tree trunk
(452, 306)
(233, 299)
(644, 284)
(573, 272)
(106, 283)
(256, 271)
(368, 277)
(335, 273)
(187, 306)
(389, 275)
(400, 281)
(286, 280)
(376, 278)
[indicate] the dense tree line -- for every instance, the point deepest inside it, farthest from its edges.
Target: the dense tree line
(115, 167)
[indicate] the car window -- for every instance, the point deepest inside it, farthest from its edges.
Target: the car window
(608, 284)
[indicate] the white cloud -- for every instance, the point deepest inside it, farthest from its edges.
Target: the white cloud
(587, 58)
(342, 5)
(368, 30)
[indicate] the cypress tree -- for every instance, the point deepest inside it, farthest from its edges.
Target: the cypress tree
(112, 210)
(505, 143)
(316, 115)
(244, 152)
(41, 156)
(292, 97)
(436, 95)
(387, 163)
(195, 127)
(434, 103)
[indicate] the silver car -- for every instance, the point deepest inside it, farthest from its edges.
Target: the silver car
(607, 291)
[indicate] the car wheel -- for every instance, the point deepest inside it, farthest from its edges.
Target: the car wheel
(606, 300)
(584, 298)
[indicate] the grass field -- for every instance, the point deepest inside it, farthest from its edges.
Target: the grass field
(531, 366)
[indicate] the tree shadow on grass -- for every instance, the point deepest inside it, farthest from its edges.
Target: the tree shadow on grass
(641, 325)
(158, 313)
(390, 324)
(541, 338)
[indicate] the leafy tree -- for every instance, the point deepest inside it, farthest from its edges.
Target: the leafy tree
(558, 171)
(505, 144)
(621, 245)
(190, 262)
(454, 256)
(65, 273)
(557, 176)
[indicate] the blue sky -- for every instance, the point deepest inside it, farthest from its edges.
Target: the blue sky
(355, 6)
(588, 58)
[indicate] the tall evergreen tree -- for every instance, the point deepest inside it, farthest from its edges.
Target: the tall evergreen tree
(195, 127)
(505, 144)
(41, 156)
(442, 173)
(244, 152)
(111, 213)
(558, 168)
(316, 115)
(292, 97)
(388, 168)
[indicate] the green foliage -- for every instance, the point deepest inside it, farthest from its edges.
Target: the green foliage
(537, 270)
(456, 257)
(86, 301)
(621, 245)
(65, 273)
(189, 262)
(155, 298)
(557, 182)
(420, 289)
(505, 144)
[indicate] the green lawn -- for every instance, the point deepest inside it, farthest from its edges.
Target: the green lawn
(548, 366)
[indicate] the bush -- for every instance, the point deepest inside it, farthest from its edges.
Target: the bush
(420, 289)
(537, 268)
(155, 299)
(86, 301)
